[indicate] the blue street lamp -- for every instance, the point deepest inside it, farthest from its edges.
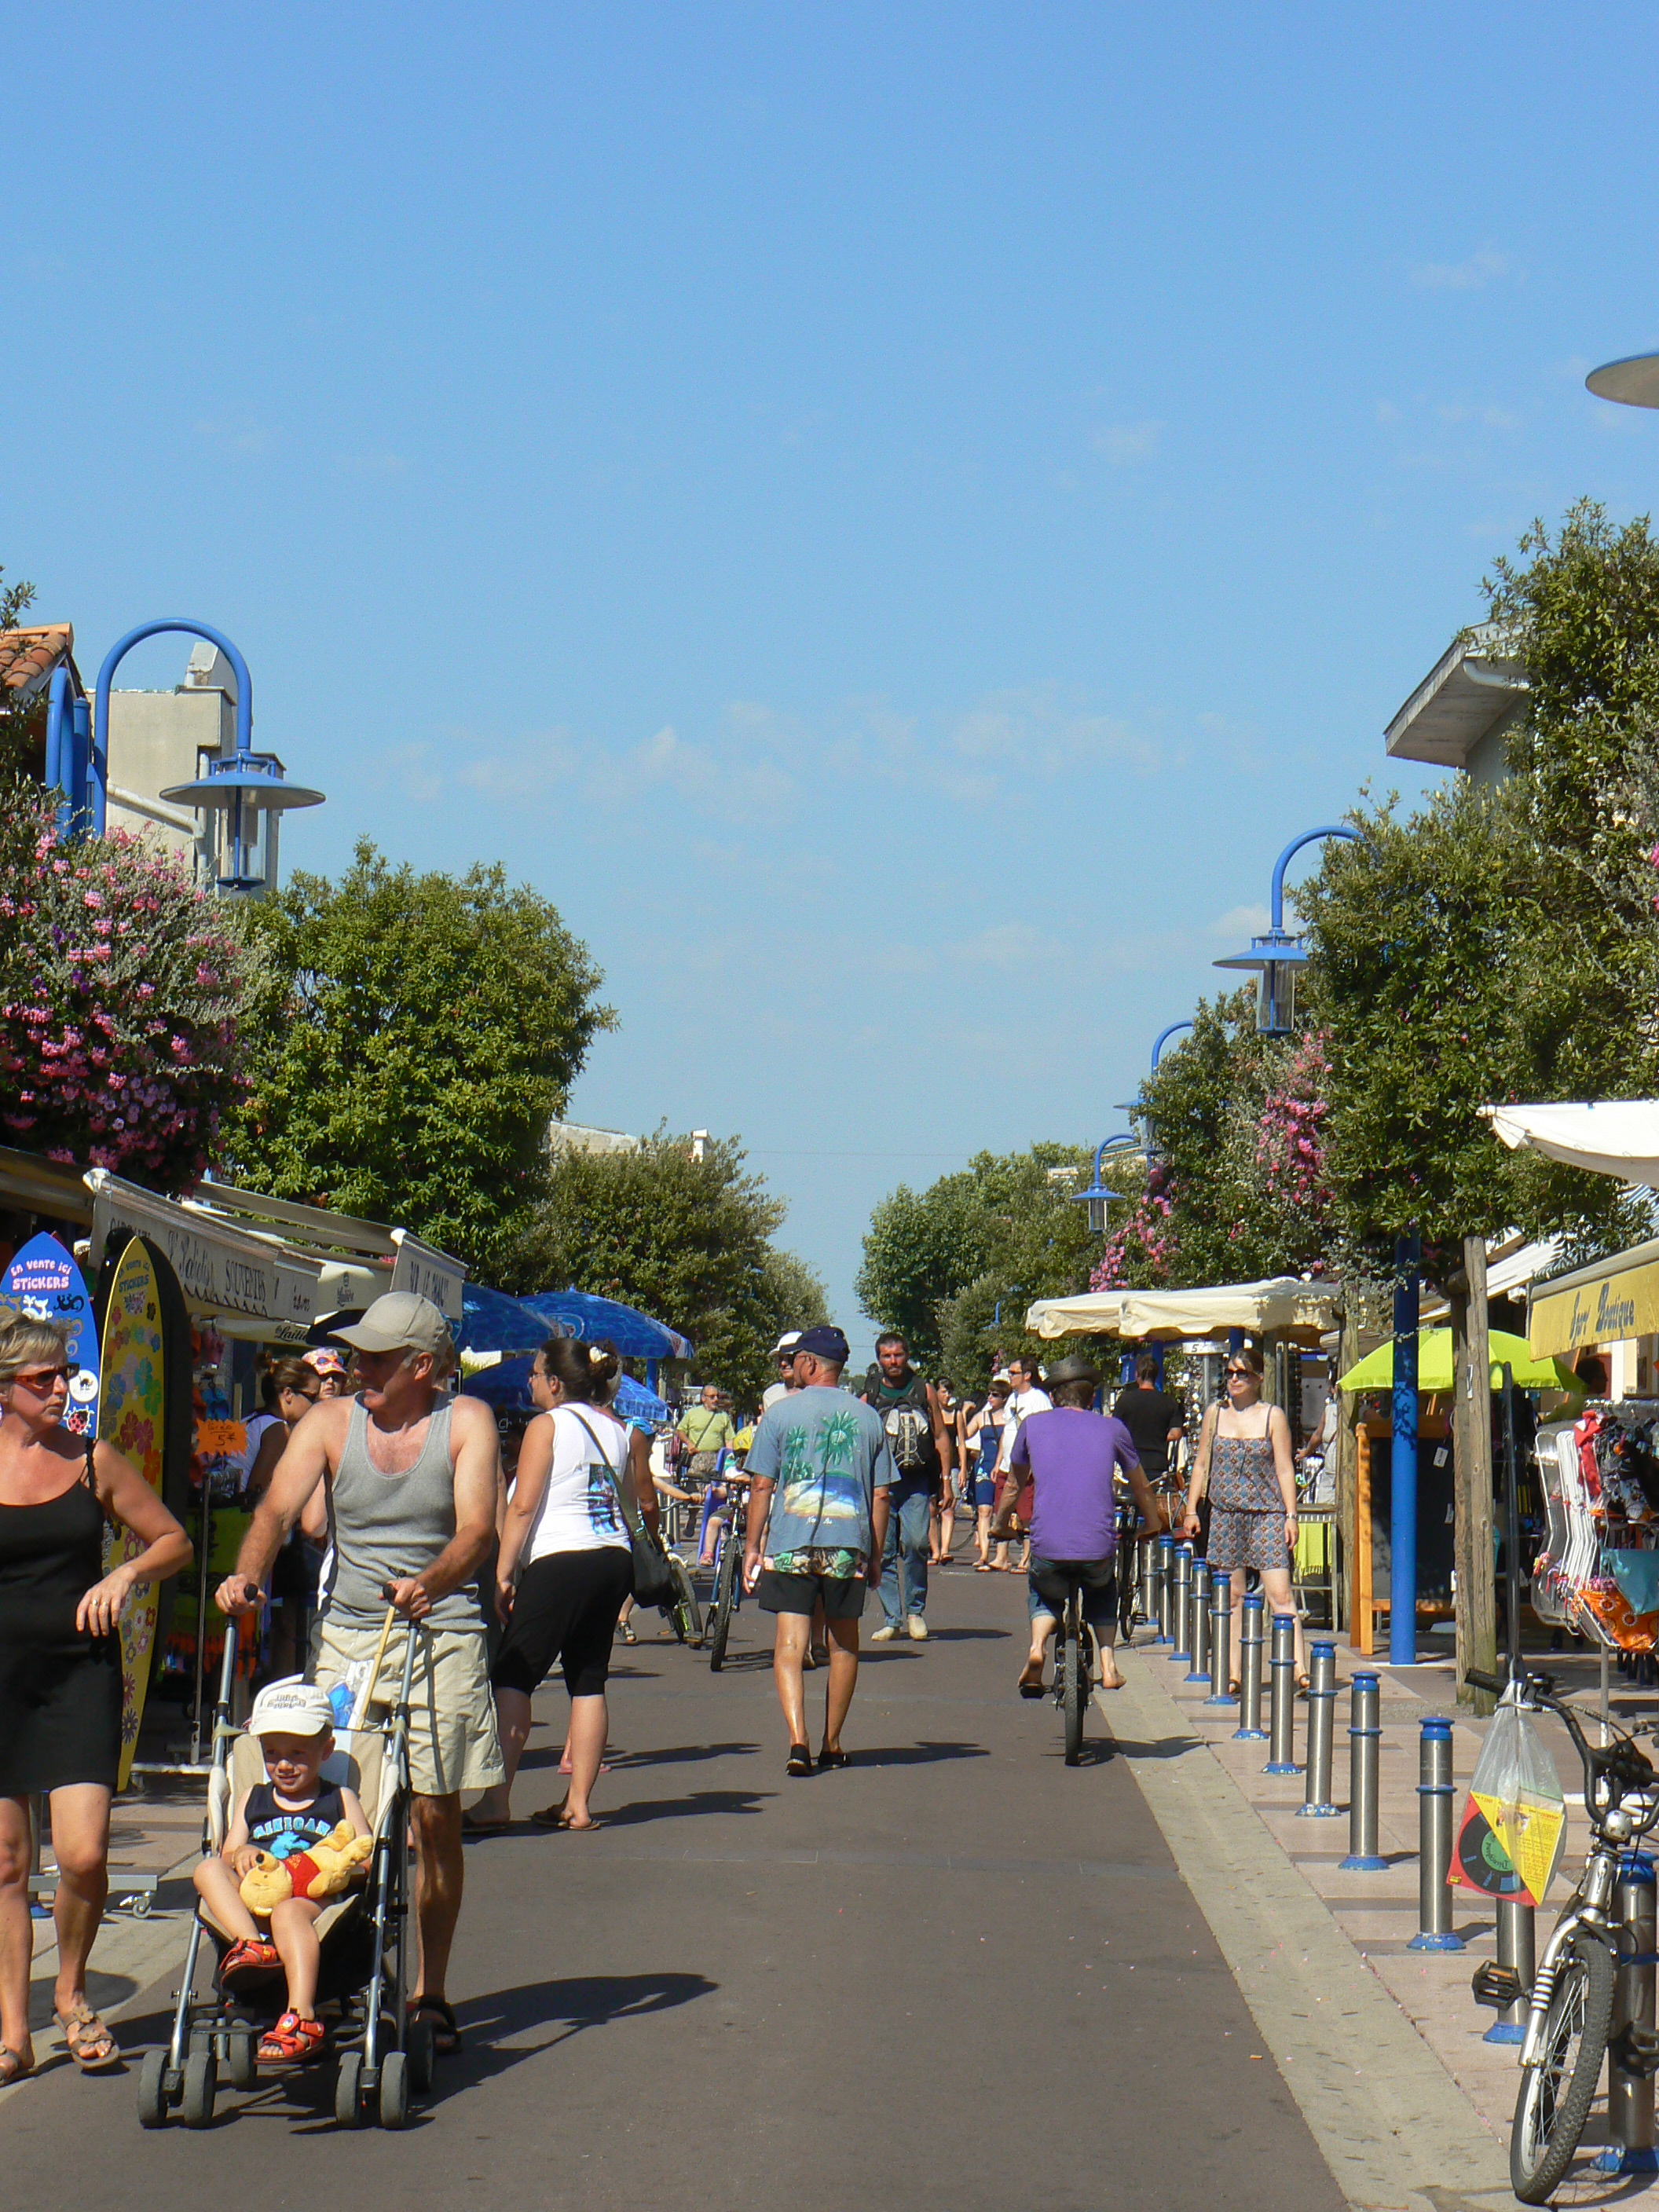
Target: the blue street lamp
(1277, 955)
(1097, 1198)
(241, 786)
(69, 746)
(1133, 1105)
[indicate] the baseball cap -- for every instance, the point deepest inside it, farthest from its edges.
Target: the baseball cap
(789, 1341)
(826, 1343)
(402, 1321)
(291, 1709)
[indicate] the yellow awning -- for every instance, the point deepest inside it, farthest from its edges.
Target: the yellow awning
(1606, 1303)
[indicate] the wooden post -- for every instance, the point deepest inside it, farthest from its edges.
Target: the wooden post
(1472, 1525)
(1347, 1464)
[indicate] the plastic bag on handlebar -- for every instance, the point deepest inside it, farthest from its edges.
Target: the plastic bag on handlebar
(1515, 1823)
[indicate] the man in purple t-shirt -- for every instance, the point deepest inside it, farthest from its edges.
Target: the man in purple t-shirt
(1073, 1453)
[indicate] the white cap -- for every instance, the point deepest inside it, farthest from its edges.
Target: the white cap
(787, 1342)
(291, 1708)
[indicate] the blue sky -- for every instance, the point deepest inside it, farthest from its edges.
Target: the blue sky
(889, 515)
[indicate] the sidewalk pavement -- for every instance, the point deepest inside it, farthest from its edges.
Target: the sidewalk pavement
(1364, 1919)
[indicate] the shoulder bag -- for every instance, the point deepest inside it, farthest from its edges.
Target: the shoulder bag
(653, 1582)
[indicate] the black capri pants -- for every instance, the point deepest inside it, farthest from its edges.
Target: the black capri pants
(565, 1608)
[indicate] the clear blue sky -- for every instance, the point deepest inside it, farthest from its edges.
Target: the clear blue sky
(889, 515)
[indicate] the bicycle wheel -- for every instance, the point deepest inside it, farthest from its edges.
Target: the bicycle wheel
(1075, 1695)
(685, 1612)
(1125, 1587)
(1555, 2095)
(725, 1604)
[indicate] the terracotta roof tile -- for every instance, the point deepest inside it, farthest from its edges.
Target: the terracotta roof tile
(28, 657)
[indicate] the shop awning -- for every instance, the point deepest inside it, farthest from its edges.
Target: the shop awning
(1606, 1303)
(245, 1283)
(1284, 1302)
(1611, 1137)
(32, 1185)
(360, 1259)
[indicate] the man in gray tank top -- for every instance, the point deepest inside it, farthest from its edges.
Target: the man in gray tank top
(413, 1478)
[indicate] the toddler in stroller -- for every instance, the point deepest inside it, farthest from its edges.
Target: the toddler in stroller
(274, 1825)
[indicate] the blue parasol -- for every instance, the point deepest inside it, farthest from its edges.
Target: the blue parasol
(635, 1335)
(491, 1321)
(506, 1388)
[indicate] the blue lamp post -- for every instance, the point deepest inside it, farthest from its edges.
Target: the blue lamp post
(1097, 1198)
(1277, 955)
(240, 787)
(69, 746)
(1162, 1038)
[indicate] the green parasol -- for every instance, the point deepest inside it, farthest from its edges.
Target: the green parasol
(1434, 1366)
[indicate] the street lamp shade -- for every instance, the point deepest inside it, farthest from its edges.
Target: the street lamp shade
(1633, 382)
(1276, 956)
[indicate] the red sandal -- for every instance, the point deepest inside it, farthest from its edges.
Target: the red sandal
(254, 1954)
(291, 2041)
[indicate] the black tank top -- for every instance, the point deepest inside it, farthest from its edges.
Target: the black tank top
(284, 1830)
(50, 1555)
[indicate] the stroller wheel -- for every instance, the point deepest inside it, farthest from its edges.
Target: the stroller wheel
(241, 2057)
(394, 2089)
(153, 2090)
(201, 2086)
(348, 2090)
(419, 2044)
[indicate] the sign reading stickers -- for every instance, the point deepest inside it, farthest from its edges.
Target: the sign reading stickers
(44, 1282)
(431, 1273)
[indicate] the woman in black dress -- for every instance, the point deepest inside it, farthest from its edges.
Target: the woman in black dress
(60, 1672)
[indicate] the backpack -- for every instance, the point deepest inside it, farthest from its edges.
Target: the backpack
(909, 1426)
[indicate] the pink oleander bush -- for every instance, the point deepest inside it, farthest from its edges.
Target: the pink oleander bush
(119, 985)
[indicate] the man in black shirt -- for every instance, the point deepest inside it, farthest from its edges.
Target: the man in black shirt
(1154, 1417)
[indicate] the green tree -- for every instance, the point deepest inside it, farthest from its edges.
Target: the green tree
(1002, 1227)
(687, 1240)
(414, 1037)
(22, 722)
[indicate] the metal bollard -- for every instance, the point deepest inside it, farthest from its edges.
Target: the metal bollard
(1181, 1610)
(1200, 1667)
(1434, 1840)
(1317, 1804)
(1517, 1947)
(1365, 1747)
(1249, 1729)
(1146, 1565)
(1281, 1705)
(1162, 1584)
(1630, 2097)
(1221, 1636)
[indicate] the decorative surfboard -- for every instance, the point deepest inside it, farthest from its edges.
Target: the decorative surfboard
(131, 1416)
(44, 1281)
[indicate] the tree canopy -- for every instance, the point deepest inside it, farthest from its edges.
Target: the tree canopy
(687, 1240)
(936, 1262)
(414, 1037)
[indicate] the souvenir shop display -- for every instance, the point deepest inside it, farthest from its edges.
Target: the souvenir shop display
(1598, 1572)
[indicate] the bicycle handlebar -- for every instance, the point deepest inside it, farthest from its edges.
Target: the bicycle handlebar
(1628, 1770)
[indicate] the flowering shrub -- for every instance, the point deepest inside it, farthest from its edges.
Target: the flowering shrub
(119, 984)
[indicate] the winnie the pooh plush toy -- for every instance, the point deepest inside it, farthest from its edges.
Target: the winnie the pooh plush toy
(323, 1872)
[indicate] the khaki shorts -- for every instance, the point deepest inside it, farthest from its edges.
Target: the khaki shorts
(453, 1743)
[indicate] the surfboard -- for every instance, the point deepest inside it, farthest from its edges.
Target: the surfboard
(44, 1281)
(131, 1416)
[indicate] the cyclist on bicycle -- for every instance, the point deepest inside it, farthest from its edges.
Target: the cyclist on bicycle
(1071, 1454)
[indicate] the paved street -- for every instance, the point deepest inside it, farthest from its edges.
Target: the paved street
(956, 1974)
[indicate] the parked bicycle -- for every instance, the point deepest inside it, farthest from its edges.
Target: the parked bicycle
(728, 1570)
(1570, 2014)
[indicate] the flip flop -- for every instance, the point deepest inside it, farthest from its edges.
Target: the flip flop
(799, 1762)
(828, 1757)
(446, 2029)
(82, 2026)
(552, 1816)
(471, 1826)
(1026, 1687)
(13, 2067)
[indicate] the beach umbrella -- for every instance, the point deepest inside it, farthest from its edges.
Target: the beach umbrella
(1434, 1366)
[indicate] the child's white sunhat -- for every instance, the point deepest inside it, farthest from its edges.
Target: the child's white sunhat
(292, 1708)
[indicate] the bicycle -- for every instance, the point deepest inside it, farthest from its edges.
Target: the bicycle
(1076, 1666)
(1571, 2013)
(728, 1572)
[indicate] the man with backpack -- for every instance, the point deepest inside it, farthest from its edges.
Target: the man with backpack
(919, 1439)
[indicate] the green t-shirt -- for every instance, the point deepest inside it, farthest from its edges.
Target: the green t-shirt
(704, 1431)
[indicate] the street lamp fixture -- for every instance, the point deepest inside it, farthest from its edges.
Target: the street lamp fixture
(1633, 382)
(1133, 1105)
(1097, 1198)
(1276, 954)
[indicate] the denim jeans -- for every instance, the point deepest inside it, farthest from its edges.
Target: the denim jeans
(907, 1543)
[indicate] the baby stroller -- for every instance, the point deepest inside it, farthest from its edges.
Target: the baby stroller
(364, 1937)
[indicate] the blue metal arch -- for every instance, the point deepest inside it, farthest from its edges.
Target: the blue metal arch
(97, 797)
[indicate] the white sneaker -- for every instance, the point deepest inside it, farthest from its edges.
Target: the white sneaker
(918, 1628)
(890, 1634)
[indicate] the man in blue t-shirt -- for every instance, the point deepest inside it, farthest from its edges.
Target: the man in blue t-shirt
(820, 1469)
(1072, 1454)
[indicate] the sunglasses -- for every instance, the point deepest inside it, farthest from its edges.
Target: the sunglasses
(1241, 1374)
(41, 1380)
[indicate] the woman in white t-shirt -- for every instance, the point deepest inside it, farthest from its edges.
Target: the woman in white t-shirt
(565, 1566)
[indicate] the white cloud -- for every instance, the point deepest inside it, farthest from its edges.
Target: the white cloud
(1240, 922)
(1032, 730)
(698, 773)
(1481, 268)
(1122, 444)
(1006, 945)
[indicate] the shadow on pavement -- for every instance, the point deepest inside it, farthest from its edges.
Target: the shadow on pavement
(1168, 1746)
(677, 1754)
(919, 1755)
(969, 1635)
(676, 1808)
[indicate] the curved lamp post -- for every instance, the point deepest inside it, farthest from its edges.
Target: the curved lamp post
(1097, 1198)
(1276, 954)
(1162, 1038)
(240, 786)
(69, 746)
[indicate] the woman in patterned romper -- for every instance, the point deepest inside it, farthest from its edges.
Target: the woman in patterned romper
(1244, 1459)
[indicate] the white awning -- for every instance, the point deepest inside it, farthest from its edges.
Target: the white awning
(247, 1284)
(1613, 1137)
(1277, 1301)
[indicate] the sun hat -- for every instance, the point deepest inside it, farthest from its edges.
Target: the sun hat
(789, 1341)
(292, 1708)
(324, 1359)
(402, 1321)
(1075, 1370)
